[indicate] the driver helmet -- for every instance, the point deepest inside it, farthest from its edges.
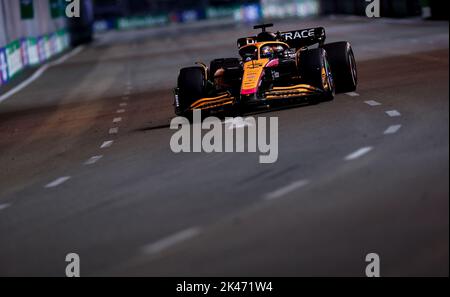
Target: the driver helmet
(278, 49)
(267, 52)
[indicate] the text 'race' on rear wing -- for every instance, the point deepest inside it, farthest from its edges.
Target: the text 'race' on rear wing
(295, 39)
(306, 37)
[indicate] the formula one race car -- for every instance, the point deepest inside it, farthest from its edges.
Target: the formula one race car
(273, 68)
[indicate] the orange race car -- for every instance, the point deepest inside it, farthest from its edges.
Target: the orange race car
(273, 68)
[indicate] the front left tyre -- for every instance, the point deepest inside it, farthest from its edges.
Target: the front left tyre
(191, 87)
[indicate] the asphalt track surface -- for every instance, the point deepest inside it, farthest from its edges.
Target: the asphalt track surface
(134, 207)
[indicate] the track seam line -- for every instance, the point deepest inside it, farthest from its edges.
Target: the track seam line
(358, 153)
(392, 129)
(170, 241)
(57, 182)
(114, 131)
(286, 190)
(107, 144)
(393, 113)
(93, 160)
(372, 103)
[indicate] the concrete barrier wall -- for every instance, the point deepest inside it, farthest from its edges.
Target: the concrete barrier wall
(29, 34)
(13, 27)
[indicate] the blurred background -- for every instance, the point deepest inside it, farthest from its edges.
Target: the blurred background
(31, 32)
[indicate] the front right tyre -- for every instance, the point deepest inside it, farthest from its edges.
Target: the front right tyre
(343, 66)
(315, 70)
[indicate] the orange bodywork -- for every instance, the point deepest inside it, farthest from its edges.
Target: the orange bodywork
(253, 72)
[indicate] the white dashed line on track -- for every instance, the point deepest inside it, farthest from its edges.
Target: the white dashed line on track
(352, 94)
(4, 206)
(392, 129)
(124, 104)
(372, 103)
(359, 153)
(286, 190)
(58, 182)
(170, 241)
(117, 120)
(393, 113)
(107, 144)
(93, 160)
(113, 131)
(121, 111)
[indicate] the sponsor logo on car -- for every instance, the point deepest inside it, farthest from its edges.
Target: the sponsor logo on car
(299, 34)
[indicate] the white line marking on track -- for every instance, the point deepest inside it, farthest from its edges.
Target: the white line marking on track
(393, 113)
(93, 160)
(107, 144)
(4, 206)
(372, 103)
(286, 190)
(117, 120)
(121, 111)
(392, 129)
(352, 94)
(124, 104)
(69, 55)
(38, 74)
(57, 182)
(113, 131)
(359, 153)
(25, 83)
(170, 241)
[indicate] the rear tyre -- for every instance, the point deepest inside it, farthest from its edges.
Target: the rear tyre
(315, 71)
(191, 87)
(343, 66)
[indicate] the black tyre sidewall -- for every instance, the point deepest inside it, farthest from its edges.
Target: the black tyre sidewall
(343, 66)
(191, 85)
(310, 64)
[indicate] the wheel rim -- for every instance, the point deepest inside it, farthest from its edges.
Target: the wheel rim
(330, 78)
(353, 71)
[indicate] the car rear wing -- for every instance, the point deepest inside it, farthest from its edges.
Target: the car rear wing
(295, 39)
(303, 38)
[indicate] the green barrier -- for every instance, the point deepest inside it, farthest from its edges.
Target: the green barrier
(222, 12)
(14, 58)
(139, 22)
(32, 51)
